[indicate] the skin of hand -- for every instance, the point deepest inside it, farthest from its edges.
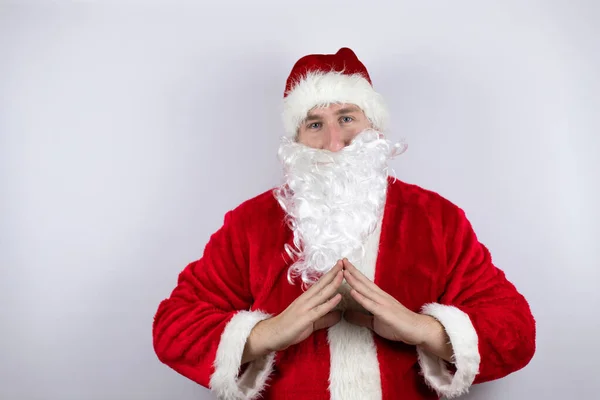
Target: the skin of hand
(311, 311)
(390, 319)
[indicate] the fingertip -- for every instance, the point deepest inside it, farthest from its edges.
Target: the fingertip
(336, 268)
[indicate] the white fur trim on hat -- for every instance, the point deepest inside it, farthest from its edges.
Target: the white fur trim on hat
(319, 88)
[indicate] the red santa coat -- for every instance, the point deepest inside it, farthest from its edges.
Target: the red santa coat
(424, 253)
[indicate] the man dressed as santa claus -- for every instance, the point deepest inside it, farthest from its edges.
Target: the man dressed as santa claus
(342, 283)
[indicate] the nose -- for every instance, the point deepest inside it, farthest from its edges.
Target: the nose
(336, 139)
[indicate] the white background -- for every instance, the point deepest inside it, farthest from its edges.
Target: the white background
(128, 130)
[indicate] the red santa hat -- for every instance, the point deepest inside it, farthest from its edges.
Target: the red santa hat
(322, 79)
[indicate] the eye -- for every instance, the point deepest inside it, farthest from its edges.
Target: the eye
(314, 125)
(346, 119)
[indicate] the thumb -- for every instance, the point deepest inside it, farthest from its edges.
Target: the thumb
(327, 320)
(358, 318)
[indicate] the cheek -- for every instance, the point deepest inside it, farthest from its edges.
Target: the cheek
(309, 140)
(355, 129)
(301, 137)
(366, 124)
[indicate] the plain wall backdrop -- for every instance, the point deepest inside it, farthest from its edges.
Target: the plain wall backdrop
(128, 130)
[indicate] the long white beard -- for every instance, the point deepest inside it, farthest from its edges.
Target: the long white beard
(333, 200)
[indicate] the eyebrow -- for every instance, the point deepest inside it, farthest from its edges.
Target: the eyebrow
(312, 118)
(345, 110)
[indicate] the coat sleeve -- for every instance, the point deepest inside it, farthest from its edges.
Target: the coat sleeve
(200, 331)
(489, 323)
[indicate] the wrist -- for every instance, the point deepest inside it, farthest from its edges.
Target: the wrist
(263, 335)
(430, 329)
(256, 343)
(435, 339)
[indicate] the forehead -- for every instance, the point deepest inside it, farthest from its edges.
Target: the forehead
(334, 108)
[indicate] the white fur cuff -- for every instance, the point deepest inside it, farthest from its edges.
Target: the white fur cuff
(226, 382)
(466, 358)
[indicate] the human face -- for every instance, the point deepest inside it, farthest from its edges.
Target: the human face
(333, 127)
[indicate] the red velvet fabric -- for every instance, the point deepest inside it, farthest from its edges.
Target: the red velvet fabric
(428, 253)
(344, 60)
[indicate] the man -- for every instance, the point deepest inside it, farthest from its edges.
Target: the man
(342, 283)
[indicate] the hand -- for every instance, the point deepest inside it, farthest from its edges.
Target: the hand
(390, 318)
(309, 312)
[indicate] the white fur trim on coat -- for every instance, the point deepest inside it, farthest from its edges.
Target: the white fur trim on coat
(354, 372)
(318, 88)
(226, 382)
(466, 358)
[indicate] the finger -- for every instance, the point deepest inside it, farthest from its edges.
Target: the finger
(327, 320)
(364, 289)
(325, 279)
(351, 268)
(348, 266)
(325, 293)
(359, 319)
(323, 308)
(367, 303)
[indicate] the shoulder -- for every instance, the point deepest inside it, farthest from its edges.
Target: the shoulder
(409, 194)
(262, 202)
(260, 209)
(429, 203)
